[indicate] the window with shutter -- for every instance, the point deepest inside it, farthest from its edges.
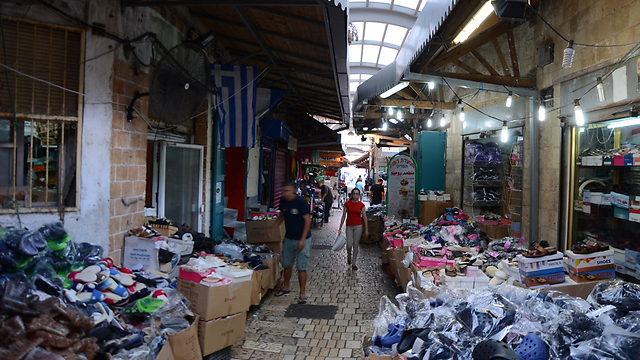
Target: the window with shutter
(40, 115)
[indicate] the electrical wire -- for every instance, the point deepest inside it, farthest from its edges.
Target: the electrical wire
(575, 43)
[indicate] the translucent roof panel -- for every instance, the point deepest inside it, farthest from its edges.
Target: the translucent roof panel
(395, 35)
(411, 4)
(387, 55)
(355, 53)
(374, 31)
(381, 34)
(370, 54)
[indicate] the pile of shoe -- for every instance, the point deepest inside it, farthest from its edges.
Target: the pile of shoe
(511, 323)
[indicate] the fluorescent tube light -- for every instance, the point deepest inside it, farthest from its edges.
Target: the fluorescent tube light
(394, 89)
(542, 112)
(578, 112)
(624, 123)
(475, 22)
(393, 121)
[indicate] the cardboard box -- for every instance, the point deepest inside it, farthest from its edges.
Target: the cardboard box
(589, 276)
(368, 341)
(218, 334)
(273, 262)
(140, 251)
(581, 290)
(212, 302)
(257, 231)
(542, 277)
(259, 285)
(540, 263)
(580, 261)
(431, 210)
(276, 247)
(185, 344)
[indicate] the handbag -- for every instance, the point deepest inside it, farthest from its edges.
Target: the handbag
(341, 241)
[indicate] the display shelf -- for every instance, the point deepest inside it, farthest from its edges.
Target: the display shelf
(483, 204)
(485, 165)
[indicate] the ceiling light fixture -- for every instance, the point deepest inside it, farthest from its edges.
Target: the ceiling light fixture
(443, 122)
(542, 112)
(504, 136)
(365, 128)
(390, 110)
(399, 115)
(475, 22)
(393, 121)
(432, 85)
(384, 126)
(460, 104)
(567, 58)
(578, 112)
(600, 87)
(624, 123)
(394, 89)
(412, 109)
(408, 137)
(429, 123)
(509, 99)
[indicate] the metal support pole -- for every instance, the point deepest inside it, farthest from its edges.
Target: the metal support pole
(534, 174)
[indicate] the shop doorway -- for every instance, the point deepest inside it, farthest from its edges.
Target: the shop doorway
(177, 183)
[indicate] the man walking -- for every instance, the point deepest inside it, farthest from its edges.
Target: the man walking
(327, 199)
(377, 193)
(294, 211)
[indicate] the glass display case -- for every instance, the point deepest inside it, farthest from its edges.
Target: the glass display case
(492, 182)
(606, 184)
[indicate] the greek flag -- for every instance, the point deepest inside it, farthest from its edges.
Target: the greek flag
(236, 104)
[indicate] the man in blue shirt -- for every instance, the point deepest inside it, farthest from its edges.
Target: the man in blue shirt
(294, 211)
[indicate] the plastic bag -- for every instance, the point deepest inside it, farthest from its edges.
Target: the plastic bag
(341, 241)
(90, 254)
(228, 249)
(623, 295)
(388, 313)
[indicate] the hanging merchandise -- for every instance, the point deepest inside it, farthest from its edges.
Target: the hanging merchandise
(401, 186)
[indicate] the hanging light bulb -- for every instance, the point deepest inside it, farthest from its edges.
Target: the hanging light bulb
(412, 109)
(460, 104)
(509, 99)
(384, 126)
(464, 125)
(461, 115)
(567, 58)
(578, 112)
(429, 123)
(432, 85)
(542, 112)
(390, 110)
(600, 87)
(442, 121)
(400, 115)
(504, 135)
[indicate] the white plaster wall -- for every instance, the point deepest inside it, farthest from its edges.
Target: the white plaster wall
(91, 223)
(253, 171)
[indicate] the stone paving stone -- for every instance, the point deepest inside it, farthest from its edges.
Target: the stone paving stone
(330, 281)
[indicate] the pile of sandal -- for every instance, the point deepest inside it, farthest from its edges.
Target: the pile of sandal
(509, 323)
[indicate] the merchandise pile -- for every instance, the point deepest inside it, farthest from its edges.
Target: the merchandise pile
(64, 300)
(508, 322)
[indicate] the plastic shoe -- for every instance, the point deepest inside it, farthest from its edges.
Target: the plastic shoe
(532, 348)
(493, 350)
(393, 336)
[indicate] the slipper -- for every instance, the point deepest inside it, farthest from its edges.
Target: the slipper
(113, 299)
(91, 297)
(532, 348)
(281, 293)
(302, 300)
(83, 277)
(114, 287)
(122, 278)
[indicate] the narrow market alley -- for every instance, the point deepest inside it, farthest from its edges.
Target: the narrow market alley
(353, 295)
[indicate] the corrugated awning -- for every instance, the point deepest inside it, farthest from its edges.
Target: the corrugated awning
(428, 22)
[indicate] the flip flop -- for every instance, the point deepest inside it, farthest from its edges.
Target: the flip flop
(302, 300)
(91, 297)
(281, 293)
(114, 287)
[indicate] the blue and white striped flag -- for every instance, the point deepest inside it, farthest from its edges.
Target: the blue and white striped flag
(236, 104)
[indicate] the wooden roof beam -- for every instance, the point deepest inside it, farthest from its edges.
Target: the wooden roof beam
(418, 89)
(512, 51)
(491, 79)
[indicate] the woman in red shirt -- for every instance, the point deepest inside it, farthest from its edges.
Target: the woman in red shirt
(356, 216)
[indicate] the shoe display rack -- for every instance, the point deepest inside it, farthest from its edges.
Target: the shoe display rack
(605, 190)
(492, 180)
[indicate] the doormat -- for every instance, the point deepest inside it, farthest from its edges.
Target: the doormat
(322, 247)
(327, 312)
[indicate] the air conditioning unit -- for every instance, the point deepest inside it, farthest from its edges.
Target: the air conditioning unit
(510, 10)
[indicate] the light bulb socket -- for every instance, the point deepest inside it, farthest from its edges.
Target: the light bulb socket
(460, 104)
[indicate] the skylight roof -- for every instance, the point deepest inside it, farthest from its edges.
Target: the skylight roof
(380, 34)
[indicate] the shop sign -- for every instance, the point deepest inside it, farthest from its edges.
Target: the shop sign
(401, 186)
(292, 144)
(330, 159)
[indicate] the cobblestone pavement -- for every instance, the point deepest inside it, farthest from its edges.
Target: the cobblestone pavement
(330, 282)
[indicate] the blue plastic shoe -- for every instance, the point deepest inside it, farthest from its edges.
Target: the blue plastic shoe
(532, 348)
(392, 337)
